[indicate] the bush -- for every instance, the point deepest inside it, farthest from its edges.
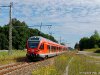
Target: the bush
(97, 51)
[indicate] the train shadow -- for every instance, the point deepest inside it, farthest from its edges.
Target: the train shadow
(21, 59)
(25, 59)
(28, 59)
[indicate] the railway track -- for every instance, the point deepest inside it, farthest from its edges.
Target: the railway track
(24, 68)
(5, 70)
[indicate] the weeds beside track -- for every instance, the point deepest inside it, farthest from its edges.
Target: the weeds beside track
(58, 67)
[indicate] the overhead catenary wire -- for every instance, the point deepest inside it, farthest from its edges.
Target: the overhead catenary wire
(37, 25)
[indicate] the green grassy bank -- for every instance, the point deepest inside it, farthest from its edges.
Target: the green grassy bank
(17, 56)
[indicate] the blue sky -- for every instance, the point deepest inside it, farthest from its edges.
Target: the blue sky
(70, 19)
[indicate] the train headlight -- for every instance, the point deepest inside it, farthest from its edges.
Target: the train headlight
(36, 50)
(32, 50)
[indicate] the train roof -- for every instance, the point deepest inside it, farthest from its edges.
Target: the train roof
(40, 38)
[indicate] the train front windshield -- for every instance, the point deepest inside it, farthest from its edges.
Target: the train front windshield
(33, 44)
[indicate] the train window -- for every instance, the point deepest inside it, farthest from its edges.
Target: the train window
(63, 49)
(33, 44)
(48, 47)
(55, 47)
(52, 48)
(42, 46)
(59, 48)
(35, 38)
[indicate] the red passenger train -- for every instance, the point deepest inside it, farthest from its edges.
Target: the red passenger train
(39, 47)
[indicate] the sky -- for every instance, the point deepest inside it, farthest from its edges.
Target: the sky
(70, 19)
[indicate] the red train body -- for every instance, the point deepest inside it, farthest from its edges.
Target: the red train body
(39, 47)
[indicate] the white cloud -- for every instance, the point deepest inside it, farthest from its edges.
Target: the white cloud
(71, 17)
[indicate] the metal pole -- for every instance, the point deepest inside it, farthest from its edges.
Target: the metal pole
(10, 30)
(40, 26)
(49, 27)
(60, 39)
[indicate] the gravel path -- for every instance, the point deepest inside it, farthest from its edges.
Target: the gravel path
(90, 54)
(66, 72)
(3, 50)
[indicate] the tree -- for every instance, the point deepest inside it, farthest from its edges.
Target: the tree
(4, 37)
(84, 43)
(20, 34)
(76, 46)
(94, 40)
(62, 43)
(3, 42)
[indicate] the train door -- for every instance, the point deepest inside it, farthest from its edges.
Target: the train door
(41, 48)
(49, 47)
(46, 48)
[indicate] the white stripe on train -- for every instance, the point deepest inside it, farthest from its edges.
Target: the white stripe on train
(50, 54)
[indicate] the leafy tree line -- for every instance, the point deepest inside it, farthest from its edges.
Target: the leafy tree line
(89, 42)
(20, 34)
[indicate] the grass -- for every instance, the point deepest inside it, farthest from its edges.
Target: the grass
(83, 65)
(80, 65)
(92, 50)
(58, 68)
(96, 54)
(95, 51)
(49, 70)
(17, 56)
